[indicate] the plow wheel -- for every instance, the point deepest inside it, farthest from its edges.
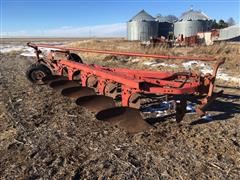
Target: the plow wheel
(181, 110)
(111, 90)
(36, 72)
(135, 101)
(92, 81)
(77, 92)
(96, 103)
(59, 85)
(126, 118)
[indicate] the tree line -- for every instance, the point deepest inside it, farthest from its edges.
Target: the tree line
(223, 24)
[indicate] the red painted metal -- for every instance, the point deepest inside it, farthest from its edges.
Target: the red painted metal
(120, 78)
(136, 81)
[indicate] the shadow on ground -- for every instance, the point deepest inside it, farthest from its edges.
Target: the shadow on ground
(225, 106)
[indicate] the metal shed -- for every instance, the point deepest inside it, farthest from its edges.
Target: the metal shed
(142, 27)
(190, 23)
(231, 33)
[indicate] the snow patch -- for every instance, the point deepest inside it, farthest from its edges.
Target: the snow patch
(25, 50)
(156, 64)
(136, 60)
(149, 63)
(228, 78)
(191, 107)
(10, 48)
(188, 65)
(168, 65)
(203, 68)
(207, 117)
(160, 110)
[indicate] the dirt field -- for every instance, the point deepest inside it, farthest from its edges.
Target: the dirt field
(46, 136)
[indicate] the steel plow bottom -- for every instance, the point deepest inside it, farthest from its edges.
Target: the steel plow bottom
(96, 103)
(59, 85)
(51, 78)
(127, 118)
(77, 92)
(104, 107)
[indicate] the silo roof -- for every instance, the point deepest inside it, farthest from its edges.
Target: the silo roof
(193, 15)
(143, 16)
(162, 19)
(168, 19)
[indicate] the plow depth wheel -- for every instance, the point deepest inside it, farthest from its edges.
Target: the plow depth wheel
(36, 72)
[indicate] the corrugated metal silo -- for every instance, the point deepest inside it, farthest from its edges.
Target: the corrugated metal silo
(165, 25)
(142, 27)
(190, 23)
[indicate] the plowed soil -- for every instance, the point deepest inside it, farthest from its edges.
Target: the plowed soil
(46, 136)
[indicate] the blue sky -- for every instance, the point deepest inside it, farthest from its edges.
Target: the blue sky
(96, 18)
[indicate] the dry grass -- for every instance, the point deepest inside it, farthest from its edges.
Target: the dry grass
(230, 52)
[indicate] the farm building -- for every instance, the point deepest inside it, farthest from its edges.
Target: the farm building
(190, 23)
(165, 25)
(231, 33)
(142, 27)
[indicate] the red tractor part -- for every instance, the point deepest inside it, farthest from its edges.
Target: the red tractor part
(101, 89)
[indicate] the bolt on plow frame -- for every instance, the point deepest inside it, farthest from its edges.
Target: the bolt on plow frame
(124, 97)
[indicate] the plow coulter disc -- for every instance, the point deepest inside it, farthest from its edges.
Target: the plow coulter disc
(96, 103)
(126, 118)
(59, 85)
(51, 78)
(77, 92)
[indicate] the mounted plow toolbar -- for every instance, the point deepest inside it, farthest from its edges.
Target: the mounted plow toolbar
(123, 97)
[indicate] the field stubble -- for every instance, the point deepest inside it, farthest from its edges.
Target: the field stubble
(44, 135)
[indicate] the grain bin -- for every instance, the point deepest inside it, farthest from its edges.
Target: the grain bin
(165, 25)
(142, 27)
(192, 22)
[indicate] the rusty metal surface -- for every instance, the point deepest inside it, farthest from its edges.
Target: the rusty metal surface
(126, 118)
(77, 92)
(111, 90)
(92, 81)
(135, 101)
(96, 103)
(59, 85)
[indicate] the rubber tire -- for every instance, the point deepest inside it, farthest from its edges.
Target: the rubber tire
(37, 67)
(74, 57)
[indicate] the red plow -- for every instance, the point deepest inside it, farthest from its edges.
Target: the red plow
(123, 97)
